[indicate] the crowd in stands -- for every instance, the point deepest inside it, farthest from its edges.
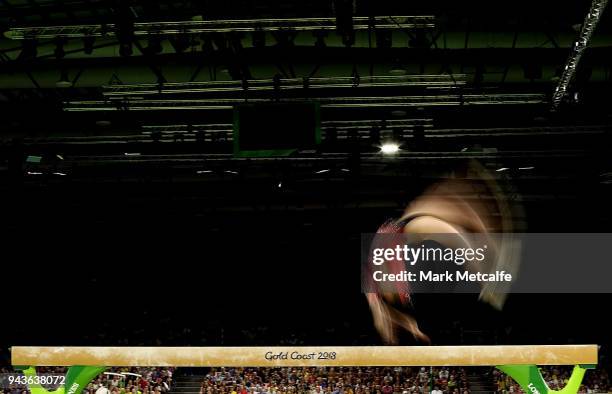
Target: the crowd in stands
(126, 380)
(595, 381)
(318, 380)
(132, 381)
(341, 380)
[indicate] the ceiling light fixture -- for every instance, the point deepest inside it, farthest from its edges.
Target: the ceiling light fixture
(389, 148)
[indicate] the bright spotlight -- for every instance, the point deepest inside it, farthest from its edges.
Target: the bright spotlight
(389, 148)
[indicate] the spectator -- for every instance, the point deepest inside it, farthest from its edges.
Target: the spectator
(102, 389)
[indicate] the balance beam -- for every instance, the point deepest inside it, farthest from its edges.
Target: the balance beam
(305, 356)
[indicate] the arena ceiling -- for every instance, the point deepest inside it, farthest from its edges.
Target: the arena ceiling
(101, 90)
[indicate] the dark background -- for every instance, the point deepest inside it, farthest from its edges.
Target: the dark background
(104, 248)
